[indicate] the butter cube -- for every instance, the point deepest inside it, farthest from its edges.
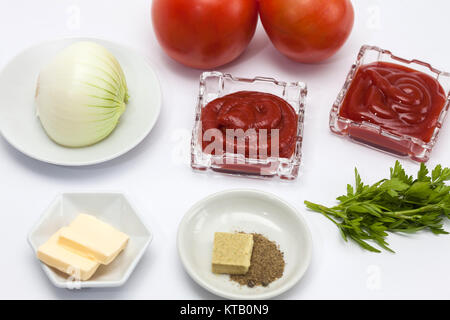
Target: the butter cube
(65, 260)
(93, 238)
(232, 252)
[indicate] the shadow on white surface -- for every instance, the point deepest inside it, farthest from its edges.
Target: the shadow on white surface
(144, 267)
(83, 172)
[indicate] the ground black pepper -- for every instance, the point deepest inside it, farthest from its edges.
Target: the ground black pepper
(266, 264)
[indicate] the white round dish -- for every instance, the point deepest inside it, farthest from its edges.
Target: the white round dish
(20, 126)
(248, 211)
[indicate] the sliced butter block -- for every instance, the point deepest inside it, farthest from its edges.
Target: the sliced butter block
(232, 252)
(93, 238)
(62, 259)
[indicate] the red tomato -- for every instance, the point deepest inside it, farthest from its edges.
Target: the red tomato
(204, 33)
(307, 30)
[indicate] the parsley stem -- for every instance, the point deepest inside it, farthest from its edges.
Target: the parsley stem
(398, 204)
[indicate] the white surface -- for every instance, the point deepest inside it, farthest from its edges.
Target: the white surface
(157, 177)
(112, 208)
(249, 211)
(20, 126)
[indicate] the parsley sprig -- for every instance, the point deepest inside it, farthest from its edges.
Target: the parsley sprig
(398, 204)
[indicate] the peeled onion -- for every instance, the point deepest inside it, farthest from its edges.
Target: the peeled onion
(81, 95)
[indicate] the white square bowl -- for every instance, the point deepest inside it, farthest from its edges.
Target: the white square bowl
(112, 208)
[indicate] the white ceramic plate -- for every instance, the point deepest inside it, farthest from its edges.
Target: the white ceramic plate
(112, 208)
(20, 126)
(249, 211)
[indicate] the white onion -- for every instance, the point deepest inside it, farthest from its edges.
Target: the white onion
(81, 95)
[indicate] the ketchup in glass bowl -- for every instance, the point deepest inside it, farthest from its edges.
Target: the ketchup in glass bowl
(248, 127)
(392, 104)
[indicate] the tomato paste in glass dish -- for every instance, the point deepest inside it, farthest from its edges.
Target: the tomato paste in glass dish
(255, 113)
(392, 104)
(251, 127)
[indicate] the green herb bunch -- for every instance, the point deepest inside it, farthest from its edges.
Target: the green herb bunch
(398, 204)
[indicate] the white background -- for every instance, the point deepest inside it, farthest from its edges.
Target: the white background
(161, 185)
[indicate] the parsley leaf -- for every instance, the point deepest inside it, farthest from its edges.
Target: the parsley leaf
(398, 204)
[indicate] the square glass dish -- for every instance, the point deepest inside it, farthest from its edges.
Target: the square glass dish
(392, 140)
(214, 85)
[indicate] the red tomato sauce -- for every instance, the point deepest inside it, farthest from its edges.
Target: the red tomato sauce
(252, 110)
(401, 100)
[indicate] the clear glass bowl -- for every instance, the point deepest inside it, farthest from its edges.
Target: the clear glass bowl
(373, 135)
(216, 84)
